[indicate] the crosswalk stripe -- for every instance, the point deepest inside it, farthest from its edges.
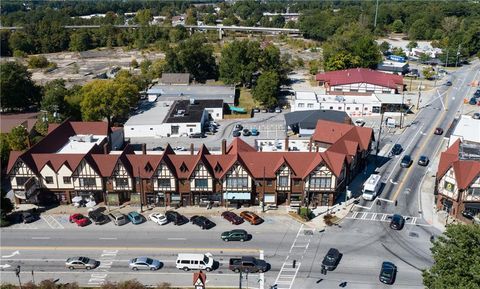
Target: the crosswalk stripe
(354, 215)
(364, 216)
(414, 220)
(374, 216)
(384, 217)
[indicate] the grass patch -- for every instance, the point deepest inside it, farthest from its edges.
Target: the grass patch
(246, 99)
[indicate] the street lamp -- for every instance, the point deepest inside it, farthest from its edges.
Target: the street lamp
(17, 272)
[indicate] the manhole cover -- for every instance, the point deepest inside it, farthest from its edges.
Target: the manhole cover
(413, 234)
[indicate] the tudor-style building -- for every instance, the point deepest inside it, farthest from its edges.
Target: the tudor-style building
(458, 181)
(82, 165)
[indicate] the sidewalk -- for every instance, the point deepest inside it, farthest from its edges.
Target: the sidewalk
(427, 199)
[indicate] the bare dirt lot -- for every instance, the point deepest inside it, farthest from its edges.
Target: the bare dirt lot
(81, 67)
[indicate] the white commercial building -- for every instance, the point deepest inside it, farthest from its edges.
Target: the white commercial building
(467, 129)
(172, 118)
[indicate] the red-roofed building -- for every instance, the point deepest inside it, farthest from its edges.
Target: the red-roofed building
(458, 181)
(358, 81)
(70, 163)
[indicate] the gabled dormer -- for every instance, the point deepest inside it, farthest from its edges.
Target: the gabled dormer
(201, 179)
(163, 179)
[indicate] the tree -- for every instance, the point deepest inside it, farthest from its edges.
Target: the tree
(79, 41)
(239, 60)
(417, 30)
(384, 47)
(37, 61)
(194, 56)
(412, 44)
(17, 90)
(53, 101)
(397, 26)
(6, 207)
(398, 51)
(351, 47)
(17, 138)
(134, 63)
(457, 259)
(106, 99)
(210, 19)
(267, 88)
(191, 18)
(4, 150)
(144, 17)
(428, 73)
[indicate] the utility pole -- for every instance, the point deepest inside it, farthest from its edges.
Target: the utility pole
(401, 110)
(380, 131)
(17, 272)
(446, 61)
(419, 95)
(240, 281)
(458, 54)
(376, 14)
(263, 195)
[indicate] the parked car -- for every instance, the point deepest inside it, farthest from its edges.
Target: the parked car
(251, 217)
(331, 260)
(235, 235)
(397, 222)
(97, 217)
(135, 218)
(278, 110)
(438, 131)
(476, 115)
(423, 161)
(246, 132)
(406, 161)
(359, 122)
(196, 135)
(158, 218)
(118, 218)
(176, 218)
(248, 264)
(265, 110)
(81, 263)
(237, 133)
(238, 127)
(232, 218)
(448, 83)
(214, 123)
(397, 149)
(79, 219)
(388, 273)
(28, 217)
(256, 110)
(144, 263)
(255, 132)
(270, 110)
(202, 222)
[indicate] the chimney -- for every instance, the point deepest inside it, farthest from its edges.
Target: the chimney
(29, 144)
(286, 144)
(316, 149)
(144, 148)
(105, 148)
(191, 148)
(224, 146)
(310, 145)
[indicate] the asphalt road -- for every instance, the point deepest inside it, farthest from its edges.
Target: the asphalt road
(364, 240)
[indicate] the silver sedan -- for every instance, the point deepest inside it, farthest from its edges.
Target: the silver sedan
(144, 263)
(81, 263)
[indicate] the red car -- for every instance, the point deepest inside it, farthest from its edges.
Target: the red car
(232, 218)
(79, 219)
(251, 217)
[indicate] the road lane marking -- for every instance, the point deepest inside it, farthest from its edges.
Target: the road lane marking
(355, 215)
(261, 281)
(146, 272)
(107, 238)
(414, 220)
(374, 216)
(177, 239)
(364, 216)
(11, 255)
(41, 238)
(96, 248)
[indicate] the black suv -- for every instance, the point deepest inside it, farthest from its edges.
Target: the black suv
(98, 217)
(29, 217)
(202, 222)
(388, 273)
(397, 149)
(331, 260)
(176, 218)
(406, 161)
(397, 222)
(235, 235)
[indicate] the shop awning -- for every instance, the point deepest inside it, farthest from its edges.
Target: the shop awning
(472, 206)
(237, 196)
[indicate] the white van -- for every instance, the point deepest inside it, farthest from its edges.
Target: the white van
(371, 187)
(195, 262)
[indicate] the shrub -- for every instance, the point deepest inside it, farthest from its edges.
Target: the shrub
(305, 213)
(328, 219)
(37, 62)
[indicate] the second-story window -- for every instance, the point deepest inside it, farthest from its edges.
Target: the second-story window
(320, 182)
(163, 183)
(237, 182)
(121, 182)
(283, 181)
(87, 182)
(21, 180)
(310, 105)
(269, 183)
(49, 180)
(67, 180)
(201, 183)
(296, 182)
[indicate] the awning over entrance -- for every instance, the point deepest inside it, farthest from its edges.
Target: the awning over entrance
(237, 195)
(472, 206)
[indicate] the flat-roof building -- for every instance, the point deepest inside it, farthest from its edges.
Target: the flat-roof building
(197, 92)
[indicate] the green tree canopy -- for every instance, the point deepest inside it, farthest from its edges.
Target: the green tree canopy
(240, 59)
(107, 99)
(384, 47)
(17, 138)
(267, 88)
(143, 17)
(194, 56)
(397, 26)
(351, 47)
(79, 41)
(17, 89)
(457, 259)
(37, 61)
(54, 93)
(4, 149)
(412, 44)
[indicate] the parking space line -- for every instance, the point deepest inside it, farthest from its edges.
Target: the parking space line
(414, 220)
(384, 217)
(354, 215)
(364, 216)
(374, 216)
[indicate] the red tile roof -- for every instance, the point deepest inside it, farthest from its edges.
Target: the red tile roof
(332, 132)
(238, 145)
(466, 171)
(144, 165)
(360, 75)
(12, 159)
(106, 163)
